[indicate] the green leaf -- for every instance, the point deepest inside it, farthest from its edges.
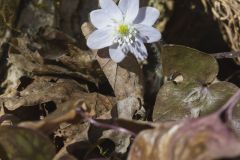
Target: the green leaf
(192, 64)
(178, 101)
(196, 92)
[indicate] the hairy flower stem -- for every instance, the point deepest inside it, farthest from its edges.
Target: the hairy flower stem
(103, 125)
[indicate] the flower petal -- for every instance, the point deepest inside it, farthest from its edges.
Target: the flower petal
(101, 38)
(130, 9)
(110, 7)
(100, 19)
(123, 5)
(147, 16)
(116, 53)
(139, 50)
(147, 33)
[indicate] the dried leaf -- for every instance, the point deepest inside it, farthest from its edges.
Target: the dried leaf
(39, 13)
(21, 144)
(93, 104)
(33, 63)
(42, 90)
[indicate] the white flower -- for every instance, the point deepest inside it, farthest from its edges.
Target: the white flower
(123, 28)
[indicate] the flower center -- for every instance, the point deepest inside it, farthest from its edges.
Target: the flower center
(123, 30)
(126, 35)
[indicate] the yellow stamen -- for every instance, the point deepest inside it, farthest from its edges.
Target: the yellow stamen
(123, 29)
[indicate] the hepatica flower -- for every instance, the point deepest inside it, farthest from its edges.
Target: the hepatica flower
(123, 28)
